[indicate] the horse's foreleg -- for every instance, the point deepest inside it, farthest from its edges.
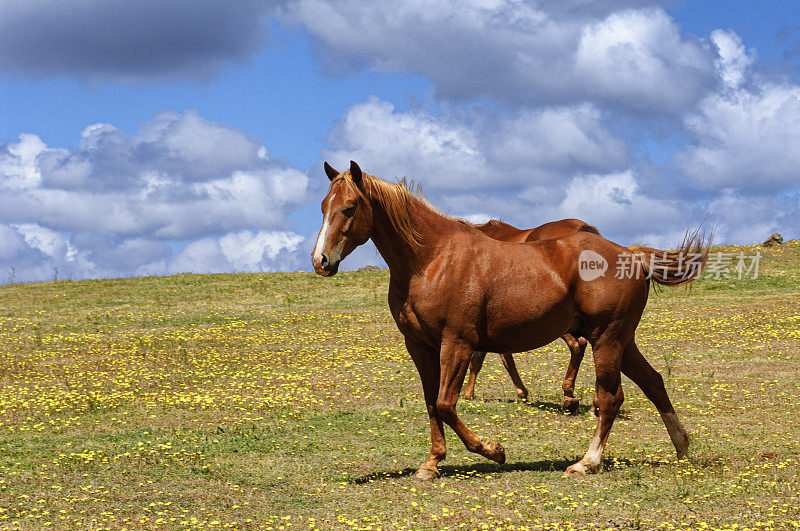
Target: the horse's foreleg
(577, 348)
(609, 398)
(454, 359)
(475, 364)
(511, 368)
(636, 367)
(427, 362)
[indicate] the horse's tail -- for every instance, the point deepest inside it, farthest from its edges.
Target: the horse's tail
(681, 266)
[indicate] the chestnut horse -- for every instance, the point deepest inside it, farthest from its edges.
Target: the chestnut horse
(577, 345)
(454, 290)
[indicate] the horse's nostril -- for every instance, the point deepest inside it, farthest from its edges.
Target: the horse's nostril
(325, 263)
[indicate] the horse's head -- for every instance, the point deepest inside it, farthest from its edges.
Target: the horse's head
(346, 219)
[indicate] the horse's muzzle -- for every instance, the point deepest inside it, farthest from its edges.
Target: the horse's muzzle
(327, 267)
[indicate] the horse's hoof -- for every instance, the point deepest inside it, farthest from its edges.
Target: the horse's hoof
(576, 469)
(682, 449)
(468, 396)
(496, 452)
(570, 405)
(522, 395)
(426, 474)
(579, 469)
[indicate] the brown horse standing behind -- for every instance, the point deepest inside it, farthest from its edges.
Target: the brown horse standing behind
(554, 229)
(453, 291)
(577, 345)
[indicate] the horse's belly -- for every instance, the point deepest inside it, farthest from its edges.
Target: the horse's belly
(513, 333)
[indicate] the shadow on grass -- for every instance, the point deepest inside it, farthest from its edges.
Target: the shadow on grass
(546, 465)
(583, 409)
(479, 469)
(540, 404)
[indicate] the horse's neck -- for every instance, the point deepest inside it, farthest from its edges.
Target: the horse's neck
(403, 260)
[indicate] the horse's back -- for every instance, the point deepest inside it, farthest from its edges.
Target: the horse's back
(556, 229)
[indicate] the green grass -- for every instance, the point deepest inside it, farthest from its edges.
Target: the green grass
(288, 400)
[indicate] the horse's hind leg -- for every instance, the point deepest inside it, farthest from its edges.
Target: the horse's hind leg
(475, 364)
(511, 368)
(454, 359)
(577, 348)
(427, 361)
(636, 367)
(609, 398)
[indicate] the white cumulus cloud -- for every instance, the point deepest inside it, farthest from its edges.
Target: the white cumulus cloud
(262, 251)
(747, 139)
(475, 152)
(114, 205)
(641, 58)
(628, 54)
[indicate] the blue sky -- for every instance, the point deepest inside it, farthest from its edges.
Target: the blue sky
(162, 137)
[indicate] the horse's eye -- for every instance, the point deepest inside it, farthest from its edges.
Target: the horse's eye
(349, 211)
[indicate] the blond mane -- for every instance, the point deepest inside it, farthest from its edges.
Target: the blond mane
(395, 199)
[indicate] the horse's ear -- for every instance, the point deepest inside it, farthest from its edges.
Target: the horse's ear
(355, 173)
(330, 172)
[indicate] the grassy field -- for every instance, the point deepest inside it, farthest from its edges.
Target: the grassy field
(288, 401)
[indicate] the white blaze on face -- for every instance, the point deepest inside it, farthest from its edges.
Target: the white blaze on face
(323, 234)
